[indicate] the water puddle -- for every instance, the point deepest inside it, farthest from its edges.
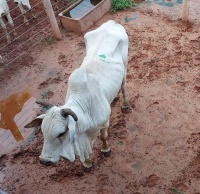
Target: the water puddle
(9, 108)
(81, 9)
(15, 112)
(134, 17)
(136, 165)
(167, 3)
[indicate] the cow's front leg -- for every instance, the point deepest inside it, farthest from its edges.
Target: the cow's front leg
(103, 136)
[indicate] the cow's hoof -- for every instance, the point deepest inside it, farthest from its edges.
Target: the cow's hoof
(46, 163)
(125, 108)
(106, 154)
(86, 169)
(87, 165)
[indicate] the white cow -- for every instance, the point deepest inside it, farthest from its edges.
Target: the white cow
(5, 14)
(24, 5)
(71, 129)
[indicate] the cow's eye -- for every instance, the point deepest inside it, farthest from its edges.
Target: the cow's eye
(61, 134)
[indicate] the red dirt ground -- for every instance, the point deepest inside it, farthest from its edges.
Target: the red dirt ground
(28, 35)
(155, 147)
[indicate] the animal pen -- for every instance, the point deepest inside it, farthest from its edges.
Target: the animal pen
(29, 33)
(148, 143)
(41, 26)
(38, 29)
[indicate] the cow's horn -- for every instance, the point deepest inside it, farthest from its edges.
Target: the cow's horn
(45, 104)
(67, 111)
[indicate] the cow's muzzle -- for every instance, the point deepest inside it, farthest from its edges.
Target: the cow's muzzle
(46, 163)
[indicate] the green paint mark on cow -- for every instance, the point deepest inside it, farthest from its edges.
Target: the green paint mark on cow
(102, 56)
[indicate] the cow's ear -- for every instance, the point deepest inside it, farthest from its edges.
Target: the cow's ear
(35, 122)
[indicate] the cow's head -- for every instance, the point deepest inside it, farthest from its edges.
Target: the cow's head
(58, 128)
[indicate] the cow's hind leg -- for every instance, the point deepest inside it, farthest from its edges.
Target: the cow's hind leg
(5, 30)
(23, 11)
(125, 103)
(103, 136)
(10, 21)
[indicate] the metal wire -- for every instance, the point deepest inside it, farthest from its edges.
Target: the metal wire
(28, 19)
(25, 41)
(12, 9)
(62, 8)
(55, 3)
(22, 33)
(21, 13)
(27, 10)
(33, 27)
(28, 48)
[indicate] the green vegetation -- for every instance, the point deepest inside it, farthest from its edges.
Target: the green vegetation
(50, 40)
(120, 5)
(72, 1)
(175, 190)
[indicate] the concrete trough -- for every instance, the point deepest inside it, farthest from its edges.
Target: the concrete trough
(83, 14)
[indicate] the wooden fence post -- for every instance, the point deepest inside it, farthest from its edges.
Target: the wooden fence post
(185, 11)
(52, 18)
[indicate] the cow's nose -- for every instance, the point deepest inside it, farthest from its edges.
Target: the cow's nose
(16, 2)
(46, 163)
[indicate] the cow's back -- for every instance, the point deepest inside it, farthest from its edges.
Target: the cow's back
(106, 56)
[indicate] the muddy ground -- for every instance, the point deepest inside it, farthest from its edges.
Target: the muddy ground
(155, 146)
(37, 29)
